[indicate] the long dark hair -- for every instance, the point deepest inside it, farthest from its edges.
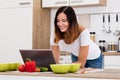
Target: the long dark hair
(73, 31)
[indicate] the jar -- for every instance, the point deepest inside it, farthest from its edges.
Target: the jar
(109, 46)
(112, 47)
(92, 36)
(102, 45)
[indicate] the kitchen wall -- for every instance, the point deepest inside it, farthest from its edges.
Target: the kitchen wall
(94, 18)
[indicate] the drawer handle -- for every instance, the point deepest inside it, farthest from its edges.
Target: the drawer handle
(24, 3)
(76, 1)
(61, 2)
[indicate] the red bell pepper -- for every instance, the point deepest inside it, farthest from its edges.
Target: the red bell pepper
(30, 65)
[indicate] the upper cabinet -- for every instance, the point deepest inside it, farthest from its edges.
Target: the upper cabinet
(54, 3)
(80, 3)
(15, 3)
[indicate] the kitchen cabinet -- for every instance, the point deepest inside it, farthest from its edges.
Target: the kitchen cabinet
(54, 3)
(15, 3)
(80, 3)
(41, 26)
(23, 25)
(111, 62)
(15, 28)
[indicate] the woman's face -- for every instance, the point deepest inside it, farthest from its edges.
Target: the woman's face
(62, 22)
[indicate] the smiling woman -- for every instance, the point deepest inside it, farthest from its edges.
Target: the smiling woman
(72, 37)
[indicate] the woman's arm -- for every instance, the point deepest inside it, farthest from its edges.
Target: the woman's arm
(56, 53)
(83, 53)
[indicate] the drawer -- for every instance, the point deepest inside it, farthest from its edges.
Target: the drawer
(111, 67)
(111, 60)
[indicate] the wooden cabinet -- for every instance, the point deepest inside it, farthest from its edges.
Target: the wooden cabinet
(41, 26)
(112, 62)
(81, 3)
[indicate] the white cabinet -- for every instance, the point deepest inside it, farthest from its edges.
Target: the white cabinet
(15, 3)
(58, 3)
(54, 3)
(112, 62)
(15, 28)
(84, 2)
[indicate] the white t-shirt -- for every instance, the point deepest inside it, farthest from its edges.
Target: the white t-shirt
(83, 40)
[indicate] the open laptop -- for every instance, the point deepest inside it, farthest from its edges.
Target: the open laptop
(43, 57)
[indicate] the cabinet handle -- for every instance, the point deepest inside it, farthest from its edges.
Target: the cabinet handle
(24, 3)
(61, 2)
(76, 1)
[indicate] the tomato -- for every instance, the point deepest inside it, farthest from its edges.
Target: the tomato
(21, 68)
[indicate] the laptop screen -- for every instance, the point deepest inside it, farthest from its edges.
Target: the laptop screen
(42, 57)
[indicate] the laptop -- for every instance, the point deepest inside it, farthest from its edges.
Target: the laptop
(42, 57)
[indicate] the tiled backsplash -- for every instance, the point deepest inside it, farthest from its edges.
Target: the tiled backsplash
(94, 22)
(92, 18)
(96, 25)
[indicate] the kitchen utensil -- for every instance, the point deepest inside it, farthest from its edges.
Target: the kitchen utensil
(103, 29)
(117, 31)
(109, 30)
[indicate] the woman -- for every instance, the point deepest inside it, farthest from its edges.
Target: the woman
(72, 37)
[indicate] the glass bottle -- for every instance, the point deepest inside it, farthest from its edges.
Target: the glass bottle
(92, 36)
(108, 46)
(104, 45)
(119, 44)
(100, 45)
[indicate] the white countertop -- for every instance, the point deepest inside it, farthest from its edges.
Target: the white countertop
(13, 77)
(103, 74)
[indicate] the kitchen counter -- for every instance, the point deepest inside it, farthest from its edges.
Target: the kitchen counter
(111, 53)
(104, 74)
(104, 53)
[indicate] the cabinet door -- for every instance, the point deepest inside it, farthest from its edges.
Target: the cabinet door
(15, 32)
(15, 3)
(79, 3)
(87, 2)
(112, 62)
(54, 3)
